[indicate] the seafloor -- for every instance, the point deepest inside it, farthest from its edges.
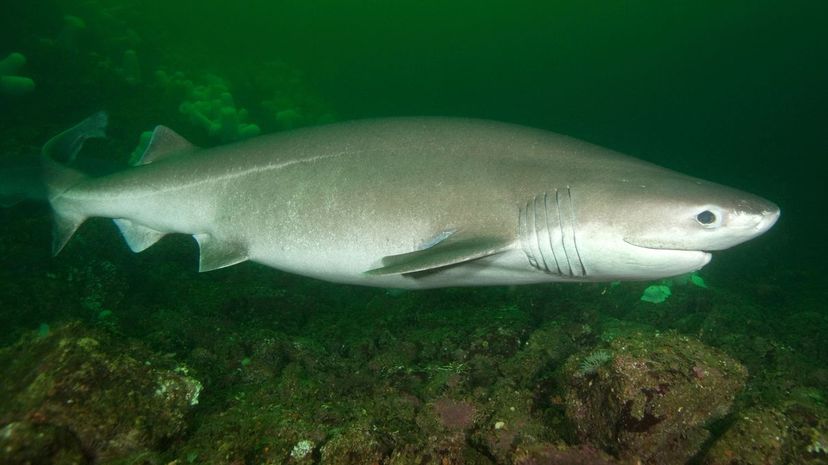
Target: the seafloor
(116, 358)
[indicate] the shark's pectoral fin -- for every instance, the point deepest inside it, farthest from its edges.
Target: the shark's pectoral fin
(138, 237)
(215, 253)
(449, 252)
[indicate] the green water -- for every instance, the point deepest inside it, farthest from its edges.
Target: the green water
(733, 92)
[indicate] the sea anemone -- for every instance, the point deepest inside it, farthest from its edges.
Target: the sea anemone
(590, 364)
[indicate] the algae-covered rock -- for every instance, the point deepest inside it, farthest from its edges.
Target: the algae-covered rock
(509, 423)
(756, 437)
(793, 431)
(113, 397)
(547, 454)
(651, 400)
(27, 443)
(808, 432)
(356, 445)
(439, 451)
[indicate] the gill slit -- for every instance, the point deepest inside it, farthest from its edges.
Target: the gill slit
(538, 230)
(563, 231)
(549, 233)
(574, 236)
(525, 229)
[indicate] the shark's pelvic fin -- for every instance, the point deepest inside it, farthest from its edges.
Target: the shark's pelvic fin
(65, 225)
(215, 253)
(451, 251)
(165, 143)
(138, 237)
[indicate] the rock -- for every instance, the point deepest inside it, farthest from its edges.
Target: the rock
(114, 398)
(508, 423)
(756, 437)
(547, 454)
(792, 431)
(653, 396)
(355, 446)
(27, 443)
(454, 414)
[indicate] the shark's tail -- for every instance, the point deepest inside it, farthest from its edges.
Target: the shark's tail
(47, 177)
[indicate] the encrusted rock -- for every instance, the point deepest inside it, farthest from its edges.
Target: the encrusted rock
(355, 446)
(793, 431)
(114, 398)
(652, 397)
(25, 443)
(756, 437)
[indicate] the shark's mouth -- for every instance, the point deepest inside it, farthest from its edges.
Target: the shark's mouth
(687, 254)
(655, 245)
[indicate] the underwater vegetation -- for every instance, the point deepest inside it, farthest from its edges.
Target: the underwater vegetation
(211, 106)
(10, 83)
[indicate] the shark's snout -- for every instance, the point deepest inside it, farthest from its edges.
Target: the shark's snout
(768, 218)
(750, 217)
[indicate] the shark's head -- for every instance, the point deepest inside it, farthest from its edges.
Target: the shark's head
(664, 226)
(689, 214)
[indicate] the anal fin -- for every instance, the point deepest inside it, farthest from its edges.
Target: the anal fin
(215, 253)
(138, 237)
(446, 253)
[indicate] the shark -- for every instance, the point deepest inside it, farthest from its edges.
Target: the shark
(410, 203)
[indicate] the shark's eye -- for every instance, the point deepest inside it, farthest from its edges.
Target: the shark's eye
(706, 217)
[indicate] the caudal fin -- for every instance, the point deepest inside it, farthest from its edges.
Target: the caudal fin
(58, 178)
(41, 178)
(64, 147)
(47, 178)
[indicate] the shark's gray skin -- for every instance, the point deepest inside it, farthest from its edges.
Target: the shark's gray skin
(418, 203)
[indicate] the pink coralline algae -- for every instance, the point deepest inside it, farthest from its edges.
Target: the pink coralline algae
(455, 414)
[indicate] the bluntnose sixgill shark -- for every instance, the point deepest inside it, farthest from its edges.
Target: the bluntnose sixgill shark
(412, 203)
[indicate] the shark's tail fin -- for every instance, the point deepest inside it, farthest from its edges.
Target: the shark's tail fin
(56, 153)
(64, 147)
(48, 177)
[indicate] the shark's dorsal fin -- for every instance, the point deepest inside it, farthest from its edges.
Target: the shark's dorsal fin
(165, 143)
(138, 237)
(451, 251)
(215, 253)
